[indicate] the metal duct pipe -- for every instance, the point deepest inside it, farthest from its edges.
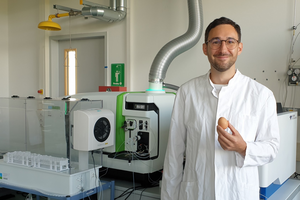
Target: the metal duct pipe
(170, 86)
(117, 11)
(177, 46)
(113, 4)
(121, 5)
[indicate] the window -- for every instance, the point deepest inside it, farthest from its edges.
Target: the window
(70, 71)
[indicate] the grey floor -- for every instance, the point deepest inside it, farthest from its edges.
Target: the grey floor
(6, 194)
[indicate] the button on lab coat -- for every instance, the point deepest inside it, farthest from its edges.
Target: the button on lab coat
(209, 172)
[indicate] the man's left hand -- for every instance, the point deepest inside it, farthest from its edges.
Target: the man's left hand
(233, 142)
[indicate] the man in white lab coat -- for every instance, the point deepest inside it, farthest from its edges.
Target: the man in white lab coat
(203, 161)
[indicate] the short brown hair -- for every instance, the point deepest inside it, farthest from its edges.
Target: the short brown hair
(223, 20)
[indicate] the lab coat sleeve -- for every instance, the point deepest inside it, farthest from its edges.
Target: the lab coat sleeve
(265, 147)
(173, 164)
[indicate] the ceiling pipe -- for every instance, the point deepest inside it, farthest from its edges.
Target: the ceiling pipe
(116, 12)
(177, 46)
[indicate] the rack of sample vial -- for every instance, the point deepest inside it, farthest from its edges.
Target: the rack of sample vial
(29, 159)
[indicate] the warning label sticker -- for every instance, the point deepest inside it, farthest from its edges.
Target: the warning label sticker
(4, 176)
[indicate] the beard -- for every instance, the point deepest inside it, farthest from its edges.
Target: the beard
(223, 66)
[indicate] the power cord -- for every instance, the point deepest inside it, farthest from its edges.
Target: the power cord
(28, 197)
(128, 192)
(264, 196)
(296, 175)
(100, 193)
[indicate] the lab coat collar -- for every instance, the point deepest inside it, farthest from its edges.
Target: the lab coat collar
(235, 78)
(232, 81)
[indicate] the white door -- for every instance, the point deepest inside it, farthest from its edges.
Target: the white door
(91, 62)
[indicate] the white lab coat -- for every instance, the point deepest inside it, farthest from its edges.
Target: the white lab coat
(211, 173)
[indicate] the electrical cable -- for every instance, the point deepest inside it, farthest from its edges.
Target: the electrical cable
(154, 182)
(97, 180)
(263, 196)
(293, 44)
(133, 179)
(100, 184)
(115, 155)
(297, 25)
(294, 97)
(128, 192)
(295, 14)
(296, 175)
(82, 190)
(28, 197)
(70, 32)
(133, 154)
(294, 63)
(150, 180)
(295, 91)
(142, 193)
(107, 168)
(291, 62)
(285, 83)
(132, 158)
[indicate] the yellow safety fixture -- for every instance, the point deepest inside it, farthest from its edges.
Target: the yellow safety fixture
(50, 25)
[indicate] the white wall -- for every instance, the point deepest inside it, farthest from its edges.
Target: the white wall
(3, 50)
(149, 25)
(23, 48)
(116, 32)
(266, 34)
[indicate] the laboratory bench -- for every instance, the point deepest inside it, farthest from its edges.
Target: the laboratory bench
(105, 185)
(111, 189)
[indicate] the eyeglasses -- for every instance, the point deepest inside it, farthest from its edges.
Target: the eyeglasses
(216, 43)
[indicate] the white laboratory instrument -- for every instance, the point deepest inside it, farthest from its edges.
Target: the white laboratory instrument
(93, 129)
(52, 183)
(142, 129)
(49, 166)
(273, 175)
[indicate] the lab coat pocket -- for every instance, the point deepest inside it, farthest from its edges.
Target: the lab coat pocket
(189, 190)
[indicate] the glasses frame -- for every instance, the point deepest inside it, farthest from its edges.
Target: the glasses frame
(209, 41)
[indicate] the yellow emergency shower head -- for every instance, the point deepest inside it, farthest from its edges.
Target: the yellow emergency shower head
(50, 25)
